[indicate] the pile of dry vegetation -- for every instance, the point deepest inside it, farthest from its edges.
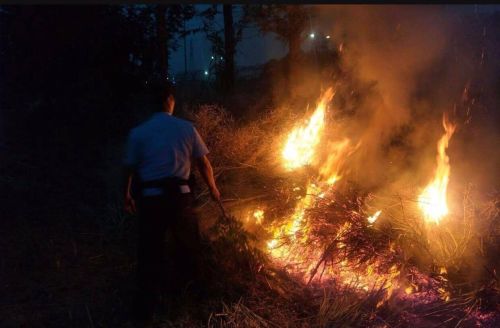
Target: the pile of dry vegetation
(392, 273)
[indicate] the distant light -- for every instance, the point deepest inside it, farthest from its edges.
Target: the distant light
(311, 35)
(221, 58)
(206, 72)
(212, 57)
(327, 36)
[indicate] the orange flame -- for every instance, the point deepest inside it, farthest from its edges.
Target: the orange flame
(337, 153)
(291, 244)
(432, 200)
(302, 141)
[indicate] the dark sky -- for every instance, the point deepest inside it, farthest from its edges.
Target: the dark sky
(199, 53)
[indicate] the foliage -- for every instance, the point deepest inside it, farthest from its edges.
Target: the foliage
(288, 22)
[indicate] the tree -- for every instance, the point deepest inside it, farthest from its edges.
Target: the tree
(288, 22)
(229, 47)
(224, 47)
(170, 26)
(162, 39)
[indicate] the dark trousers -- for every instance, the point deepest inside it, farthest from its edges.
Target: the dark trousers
(162, 270)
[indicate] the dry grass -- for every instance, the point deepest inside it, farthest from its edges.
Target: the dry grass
(250, 176)
(83, 271)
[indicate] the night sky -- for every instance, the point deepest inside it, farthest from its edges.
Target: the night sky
(252, 39)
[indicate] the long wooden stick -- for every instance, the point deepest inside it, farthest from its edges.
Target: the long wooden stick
(223, 210)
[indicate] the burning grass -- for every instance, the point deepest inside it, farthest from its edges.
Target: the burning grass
(324, 252)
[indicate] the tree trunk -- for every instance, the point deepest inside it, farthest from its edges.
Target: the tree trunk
(162, 40)
(294, 44)
(229, 48)
(294, 48)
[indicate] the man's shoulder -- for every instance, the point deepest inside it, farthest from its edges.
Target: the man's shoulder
(183, 123)
(137, 130)
(146, 124)
(177, 123)
(181, 120)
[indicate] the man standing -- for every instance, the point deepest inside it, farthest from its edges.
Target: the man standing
(159, 156)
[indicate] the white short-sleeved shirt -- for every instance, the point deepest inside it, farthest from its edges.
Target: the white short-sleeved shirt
(163, 147)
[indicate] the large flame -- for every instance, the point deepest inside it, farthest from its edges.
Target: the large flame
(291, 244)
(432, 200)
(302, 141)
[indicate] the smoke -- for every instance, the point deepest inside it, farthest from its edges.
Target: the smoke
(403, 68)
(407, 65)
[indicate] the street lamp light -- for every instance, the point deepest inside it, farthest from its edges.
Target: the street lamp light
(311, 35)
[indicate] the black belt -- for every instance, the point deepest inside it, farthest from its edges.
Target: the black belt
(167, 182)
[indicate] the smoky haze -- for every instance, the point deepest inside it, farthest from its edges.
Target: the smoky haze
(411, 64)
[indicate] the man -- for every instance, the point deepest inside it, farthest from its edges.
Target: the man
(159, 155)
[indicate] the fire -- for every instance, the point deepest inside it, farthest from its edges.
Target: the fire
(300, 150)
(291, 244)
(374, 217)
(258, 216)
(337, 153)
(301, 143)
(294, 226)
(432, 200)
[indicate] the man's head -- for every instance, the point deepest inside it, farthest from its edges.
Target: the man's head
(167, 91)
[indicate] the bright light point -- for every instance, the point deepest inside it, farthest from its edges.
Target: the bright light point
(212, 57)
(272, 244)
(258, 216)
(206, 72)
(311, 35)
(327, 36)
(374, 217)
(221, 58)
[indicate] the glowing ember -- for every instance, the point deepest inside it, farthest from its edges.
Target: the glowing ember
(432, 200)
(258, 216)
(302, 141)
(374, 217)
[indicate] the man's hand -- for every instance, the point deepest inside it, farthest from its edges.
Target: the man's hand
(214, 192)
(130, 204)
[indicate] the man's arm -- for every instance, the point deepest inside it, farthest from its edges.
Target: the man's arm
(207, 173)
(130, 164)
(129, 201)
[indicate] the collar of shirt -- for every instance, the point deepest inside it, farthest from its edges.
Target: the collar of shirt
(161, 114)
